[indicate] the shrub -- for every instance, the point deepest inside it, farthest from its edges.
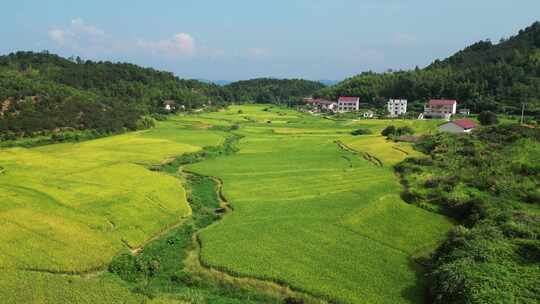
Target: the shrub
(361, 132)
(487, 118)
(392, 131)
(404, 131)
(388, 131)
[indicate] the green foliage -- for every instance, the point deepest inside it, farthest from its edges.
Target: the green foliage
(488, 118)
(392, 131)
(275, 91)
(361, 131)
(159, 268)
(489, 182)
(483, 77)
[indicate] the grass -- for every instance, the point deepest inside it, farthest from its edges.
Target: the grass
(320, 219)
(307, 214)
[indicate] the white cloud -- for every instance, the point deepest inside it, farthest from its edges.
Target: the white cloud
(58, 36)
(78, 26)
(91, 41)
(181, 44)
(78, 35)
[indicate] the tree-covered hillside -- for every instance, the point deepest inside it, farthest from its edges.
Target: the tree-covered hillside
(44, 92)
(485, 76)
(41, 91)
(489, 181)
(270, 90)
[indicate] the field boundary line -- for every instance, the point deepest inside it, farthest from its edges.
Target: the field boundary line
(372, 159)
(195, 263)
(402, 251)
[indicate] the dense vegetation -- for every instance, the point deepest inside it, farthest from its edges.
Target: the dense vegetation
(485, 76)
(490, 183)
(41, 92)
(276, 91)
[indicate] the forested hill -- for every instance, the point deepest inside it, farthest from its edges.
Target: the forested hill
(270, 90)
(129, 82)
(483, 76)
(40, 92)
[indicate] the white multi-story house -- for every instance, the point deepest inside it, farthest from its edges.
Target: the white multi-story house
(440, 108)
(348, 104)
(397, 107)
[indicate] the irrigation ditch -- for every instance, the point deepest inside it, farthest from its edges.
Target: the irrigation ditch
(170, 263)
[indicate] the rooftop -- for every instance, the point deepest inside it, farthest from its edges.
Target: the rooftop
(465, 123)
(442, 102)
(349, 99)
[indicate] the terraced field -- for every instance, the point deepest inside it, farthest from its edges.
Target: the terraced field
(310, 211)
(316, 217)
(69, 208)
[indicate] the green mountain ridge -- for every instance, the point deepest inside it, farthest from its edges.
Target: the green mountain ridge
(484, 76)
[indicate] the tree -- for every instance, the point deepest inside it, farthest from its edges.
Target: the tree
(487, 118)
(388, 131)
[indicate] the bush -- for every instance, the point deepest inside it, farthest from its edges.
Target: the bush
(487, 118)
(392, 131)
(361, 132)
(404, 131)
(145, 123)
(388, 131)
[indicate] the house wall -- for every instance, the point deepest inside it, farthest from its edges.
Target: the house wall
(397, 107)
(348, 107)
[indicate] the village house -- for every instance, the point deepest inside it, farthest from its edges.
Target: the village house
(458, 126)
(397, 107)
(321, 105)
(465, 112)
(369, 114)
(348, 104)
(169, 105)
(440, 108)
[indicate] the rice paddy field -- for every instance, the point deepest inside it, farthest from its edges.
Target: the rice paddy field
(310, 211)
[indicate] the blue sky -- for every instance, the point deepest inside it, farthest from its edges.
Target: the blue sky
(241, 39)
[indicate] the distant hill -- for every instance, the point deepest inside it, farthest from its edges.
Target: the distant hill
(483, 76)
(270, 90)
(42, 91)
(328, 82)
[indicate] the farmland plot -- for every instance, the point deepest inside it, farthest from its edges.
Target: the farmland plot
(318, 218)
(69, 208)
(307, 213)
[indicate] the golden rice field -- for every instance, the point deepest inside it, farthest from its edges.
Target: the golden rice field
(307, 213)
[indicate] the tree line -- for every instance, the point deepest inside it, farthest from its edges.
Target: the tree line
(483, 77)
(43, 92)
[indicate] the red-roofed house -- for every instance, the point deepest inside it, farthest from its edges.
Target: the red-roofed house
(348, 104)
(440, 108)
(458, 126)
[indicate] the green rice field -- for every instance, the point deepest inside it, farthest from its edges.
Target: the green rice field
(309, 210)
